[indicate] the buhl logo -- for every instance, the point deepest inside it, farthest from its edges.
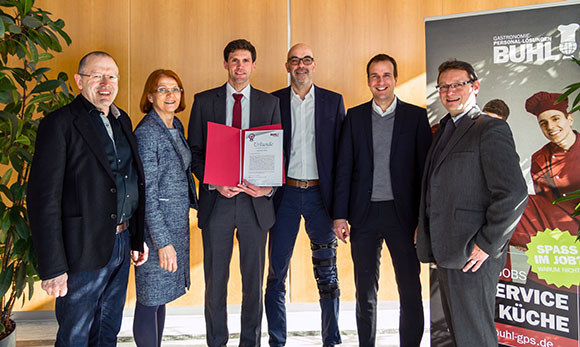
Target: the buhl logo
(525, 48)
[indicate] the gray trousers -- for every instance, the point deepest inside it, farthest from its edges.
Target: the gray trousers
(468, 300)
(227, 216)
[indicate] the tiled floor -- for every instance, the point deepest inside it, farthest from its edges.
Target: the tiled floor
(185, 326)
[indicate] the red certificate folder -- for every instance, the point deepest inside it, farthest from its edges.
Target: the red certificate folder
(224, 153)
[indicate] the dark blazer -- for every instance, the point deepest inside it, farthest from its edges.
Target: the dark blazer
(72, 196)
(210, 106)
(354, 169)
(328, 118)
(477, 193)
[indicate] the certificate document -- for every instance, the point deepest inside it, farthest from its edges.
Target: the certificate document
(262, 164)
(227, 164)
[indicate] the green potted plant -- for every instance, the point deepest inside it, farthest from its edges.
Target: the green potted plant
(27, 93)
(575, 107)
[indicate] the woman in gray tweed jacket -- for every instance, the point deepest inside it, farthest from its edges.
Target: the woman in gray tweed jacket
(169, 194)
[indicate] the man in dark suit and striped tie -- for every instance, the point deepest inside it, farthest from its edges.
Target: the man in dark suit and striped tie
(222, 210)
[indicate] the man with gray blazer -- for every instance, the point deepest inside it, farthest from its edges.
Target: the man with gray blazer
(473, 195)
(246, 208)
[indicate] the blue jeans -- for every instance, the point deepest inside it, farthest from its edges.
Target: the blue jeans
(297, 202)
(91, 312)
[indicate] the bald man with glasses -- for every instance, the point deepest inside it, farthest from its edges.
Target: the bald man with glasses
(311, 120)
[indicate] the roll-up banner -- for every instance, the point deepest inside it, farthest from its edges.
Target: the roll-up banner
(523, 56)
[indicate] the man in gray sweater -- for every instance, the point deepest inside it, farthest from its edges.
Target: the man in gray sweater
(381, 154)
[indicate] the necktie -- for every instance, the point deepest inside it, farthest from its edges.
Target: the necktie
(237, 120)
(448, 128)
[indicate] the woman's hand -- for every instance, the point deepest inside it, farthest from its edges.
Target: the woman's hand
(168, 258)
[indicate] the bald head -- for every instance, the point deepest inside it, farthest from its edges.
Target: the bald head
(300, 48)
(300, 65)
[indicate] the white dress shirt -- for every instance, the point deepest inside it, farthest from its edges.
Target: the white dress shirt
(392, 107)
(302, 162)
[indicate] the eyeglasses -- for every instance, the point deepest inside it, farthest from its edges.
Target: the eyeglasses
(458, 86)
(307, 60)
(99, 77)
(162, 90)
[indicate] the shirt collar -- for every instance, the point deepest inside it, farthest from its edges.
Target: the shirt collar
(457, 118)
(231, 91)
(309, 95)
(392, 107)
(114, 110)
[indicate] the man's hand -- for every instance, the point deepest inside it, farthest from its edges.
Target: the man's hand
(254, 191)
(139, 258)
(341, 229)
(476, 259)
(228, 192)
(56, 286)
(168, 258)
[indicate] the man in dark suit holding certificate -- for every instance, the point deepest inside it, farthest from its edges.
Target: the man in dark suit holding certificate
(311, 120)
(381, 155)
(472, 197)
(246, 208)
